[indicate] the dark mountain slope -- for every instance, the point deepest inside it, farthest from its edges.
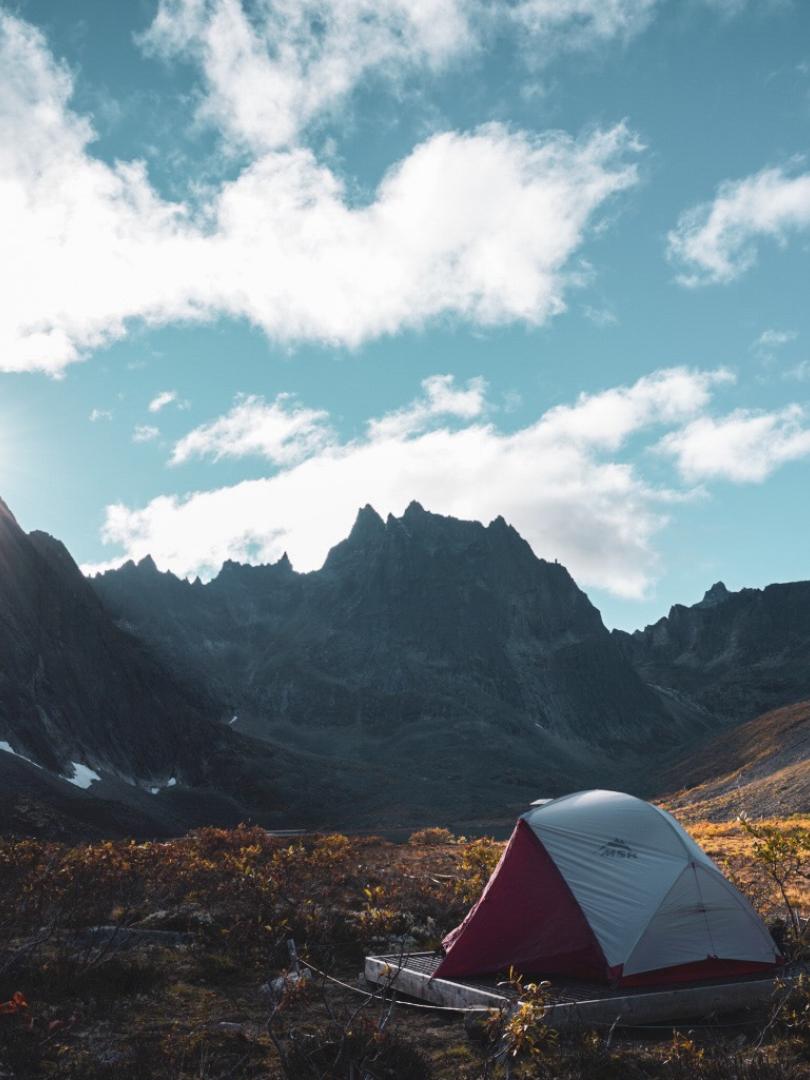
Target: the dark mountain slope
(78, 693)
(75, 688)
(736, 655)
(442, 651)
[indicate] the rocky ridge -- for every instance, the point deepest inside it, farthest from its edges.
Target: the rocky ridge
(433, 670)
(735, 655)
(469, 672)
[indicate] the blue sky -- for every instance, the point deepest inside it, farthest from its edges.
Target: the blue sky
(265, 262)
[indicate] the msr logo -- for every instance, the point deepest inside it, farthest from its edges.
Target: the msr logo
(617, 849)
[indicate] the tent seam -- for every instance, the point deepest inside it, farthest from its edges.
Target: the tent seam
(709, 933)
(745, 906)
(655, 911)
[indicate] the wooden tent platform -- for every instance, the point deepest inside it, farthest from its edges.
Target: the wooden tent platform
(575, 1003)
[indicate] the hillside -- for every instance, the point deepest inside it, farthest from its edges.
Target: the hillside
(761, 768)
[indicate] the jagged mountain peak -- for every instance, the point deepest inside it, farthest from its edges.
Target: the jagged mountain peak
(145, 567)
(421, 533)
(717, 594)
(367, 523)
(250, 573)
(416, 524)
(413, 510)
(421, 618)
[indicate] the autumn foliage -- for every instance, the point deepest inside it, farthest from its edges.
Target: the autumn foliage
(122, 960)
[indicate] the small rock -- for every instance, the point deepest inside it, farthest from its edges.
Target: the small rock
(274, 988)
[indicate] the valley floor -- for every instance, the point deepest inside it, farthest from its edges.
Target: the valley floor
(138, 960)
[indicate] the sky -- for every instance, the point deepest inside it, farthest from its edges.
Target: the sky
(266, 261)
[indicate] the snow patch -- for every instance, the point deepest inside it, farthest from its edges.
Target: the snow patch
(7, 747)
(83, 775)
(171, 782)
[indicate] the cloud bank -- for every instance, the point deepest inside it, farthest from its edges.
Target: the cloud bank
(272, 67)
(559, 480)
(93, 246)
(269, 69)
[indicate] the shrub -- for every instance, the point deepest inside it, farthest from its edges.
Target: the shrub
(477, 860)
(782, 853)
(432, 837)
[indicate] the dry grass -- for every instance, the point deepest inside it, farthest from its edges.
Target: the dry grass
(192, 1006)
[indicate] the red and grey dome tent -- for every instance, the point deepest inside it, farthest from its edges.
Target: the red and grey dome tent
(601, 885)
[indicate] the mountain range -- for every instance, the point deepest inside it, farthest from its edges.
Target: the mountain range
(433, 670)
(734, 654)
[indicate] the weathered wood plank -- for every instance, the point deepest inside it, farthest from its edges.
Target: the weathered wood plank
(411, 975)
(664, 1006)
(399, 974)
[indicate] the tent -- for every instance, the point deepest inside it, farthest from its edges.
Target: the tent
(601, 885)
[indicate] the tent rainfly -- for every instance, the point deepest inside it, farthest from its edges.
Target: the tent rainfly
(601, 885)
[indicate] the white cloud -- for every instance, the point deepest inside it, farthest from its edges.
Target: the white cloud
(99, 414)
(433, 241)
(769, 340)
(161, 400)
(608, 418)
(440, 398)
(145, 433)
(746, 446)
(557, 480)
(717, 241)
(85, 245)
(93, 246)
(281, 431)
(769, 343)
(271, 69)
(284, 431)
